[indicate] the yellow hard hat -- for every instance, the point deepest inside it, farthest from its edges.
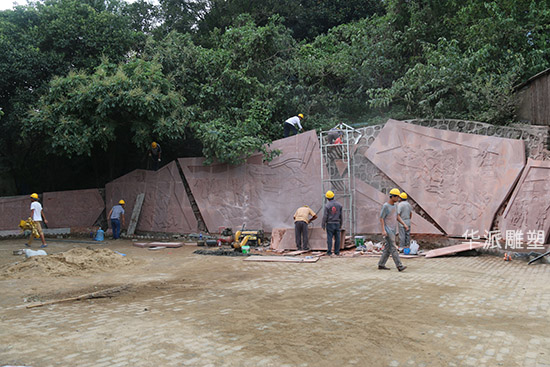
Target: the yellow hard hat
(122, 202)
(329, 194)
(154, 144)
(34, 196)
(300, 115)
(403, 196)
(395, 192)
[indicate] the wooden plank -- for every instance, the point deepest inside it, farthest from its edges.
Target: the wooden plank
(451, 250)
(282, 259)
(99, 294)
(402, 256)
(135, 214)
(158, 244)
(295, 253)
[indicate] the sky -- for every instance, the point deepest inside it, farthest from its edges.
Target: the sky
(8, 4)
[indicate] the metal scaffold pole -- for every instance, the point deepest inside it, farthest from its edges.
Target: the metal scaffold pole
(337, 169)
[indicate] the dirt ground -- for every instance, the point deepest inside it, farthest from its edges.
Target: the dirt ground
(184, 309)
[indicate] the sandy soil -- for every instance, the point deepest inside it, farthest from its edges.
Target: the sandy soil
(221, 311)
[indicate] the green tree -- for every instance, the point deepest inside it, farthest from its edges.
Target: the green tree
(237, 90)
(131, 100)
(50, 38)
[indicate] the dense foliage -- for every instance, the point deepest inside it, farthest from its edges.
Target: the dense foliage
(88, 81)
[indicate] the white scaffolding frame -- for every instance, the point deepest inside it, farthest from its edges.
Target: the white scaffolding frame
(340, 177)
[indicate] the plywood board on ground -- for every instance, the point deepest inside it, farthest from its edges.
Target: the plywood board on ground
(158, 244)
(282, 259)
(451, 250)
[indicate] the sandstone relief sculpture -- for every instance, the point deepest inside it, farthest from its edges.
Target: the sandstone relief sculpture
(459, 179)
(527, 214)
(369, 201)
(76, 208)
(258, 194)
(166, 207)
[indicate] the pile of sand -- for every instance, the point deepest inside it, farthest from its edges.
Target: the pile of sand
(76, 261)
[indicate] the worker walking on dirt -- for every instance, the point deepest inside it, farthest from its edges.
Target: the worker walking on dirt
(332, 222)
(388, 221)
(37, 214)
(301, 221)
(154, 154)
(291, 124)
(404, 212)
(116, 215)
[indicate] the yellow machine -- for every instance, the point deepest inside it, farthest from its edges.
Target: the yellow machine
(250, 238)
(29, 225)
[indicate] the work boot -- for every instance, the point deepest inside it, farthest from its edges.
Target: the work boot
(382, 267)
(401, 268)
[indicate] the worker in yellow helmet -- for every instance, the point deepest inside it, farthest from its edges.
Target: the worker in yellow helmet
(332, 223)
(404, 212)
(116, 215)
(155, 153)
(388, 222)
(37, 215)
(292, 125)
(301, 221)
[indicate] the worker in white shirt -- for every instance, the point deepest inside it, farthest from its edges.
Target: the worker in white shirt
(37, 215)
(293, 125)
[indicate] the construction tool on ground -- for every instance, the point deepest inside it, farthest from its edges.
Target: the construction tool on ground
(248, 237)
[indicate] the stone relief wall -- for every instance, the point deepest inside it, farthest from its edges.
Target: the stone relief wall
(166, 207)
(528, 209)
(258, 194)
(537, 139)
(13, 209)
(459, 179)
(77, 208)
(265, 195)
(369, 202)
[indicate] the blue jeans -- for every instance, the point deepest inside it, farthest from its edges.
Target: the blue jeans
(333, 230)
(115, 224)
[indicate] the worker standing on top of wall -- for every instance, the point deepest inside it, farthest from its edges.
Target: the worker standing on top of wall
(404, 212)
(388, 221)
(37, 214)
(332, 222)
(293, 125)
(301, 220)
(154, 154)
